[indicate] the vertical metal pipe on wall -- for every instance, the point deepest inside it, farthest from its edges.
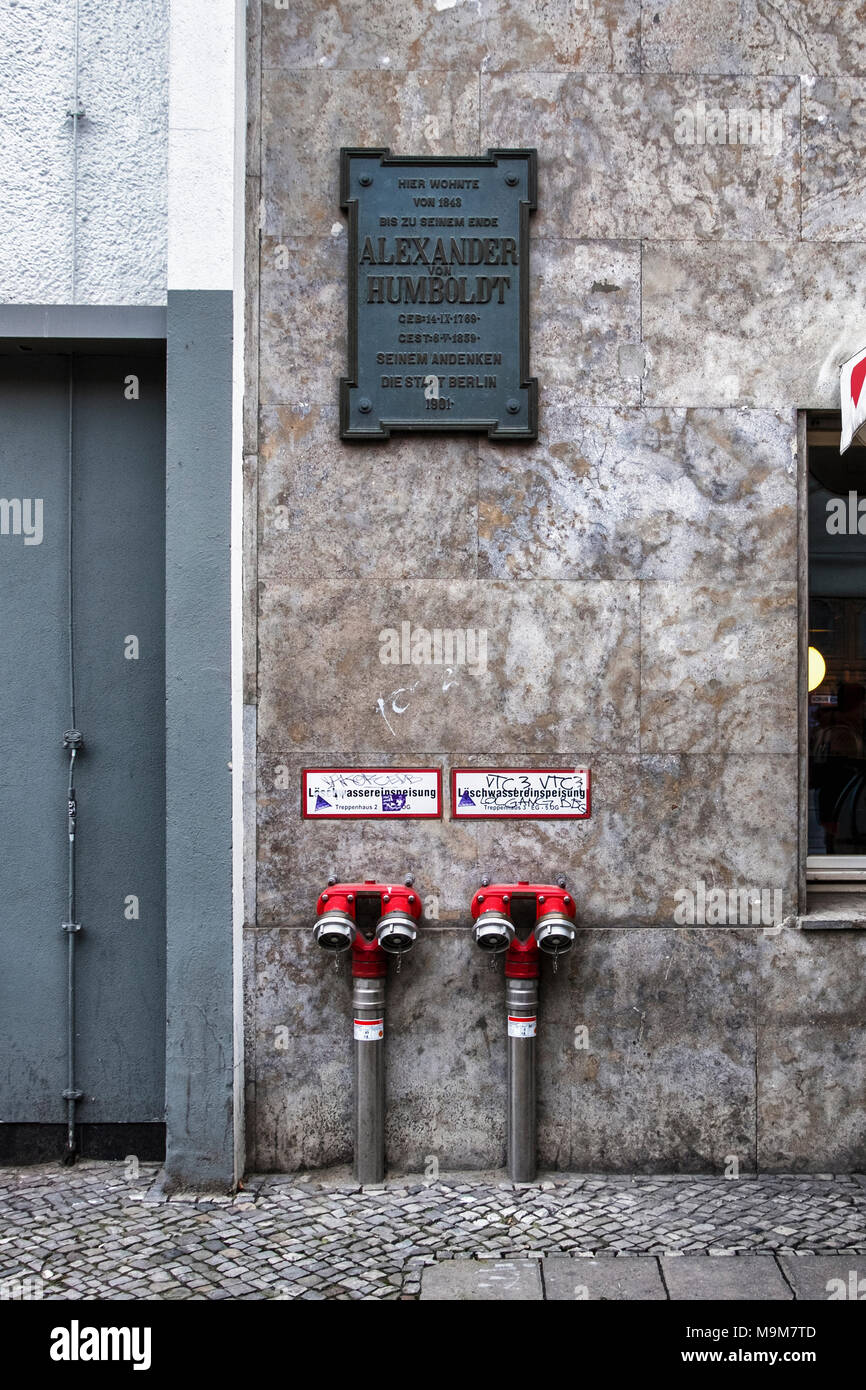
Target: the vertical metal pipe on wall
(521, 1003)
(336, 930)
(494, 933)
(73, 741)
(368, 1021)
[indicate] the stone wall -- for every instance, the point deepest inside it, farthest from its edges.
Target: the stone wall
(636, 571)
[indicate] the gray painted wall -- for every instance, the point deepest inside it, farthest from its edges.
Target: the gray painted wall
(636, 572)
(118, 550)
(199, 1046)
(117, 213)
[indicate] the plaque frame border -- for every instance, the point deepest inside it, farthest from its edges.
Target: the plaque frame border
(494, 428)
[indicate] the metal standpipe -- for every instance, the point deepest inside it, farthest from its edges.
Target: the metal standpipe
(337, 930)
(494, 933)
(368, 1010)
(521, 1004)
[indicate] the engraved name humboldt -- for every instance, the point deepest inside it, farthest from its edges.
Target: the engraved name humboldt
(440, 284)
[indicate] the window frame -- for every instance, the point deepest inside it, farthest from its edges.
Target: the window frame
(835, 872)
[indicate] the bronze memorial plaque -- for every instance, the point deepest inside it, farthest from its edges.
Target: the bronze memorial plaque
(438, 294)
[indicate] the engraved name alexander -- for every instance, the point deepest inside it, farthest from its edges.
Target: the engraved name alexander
(442, 283)
(439, 284)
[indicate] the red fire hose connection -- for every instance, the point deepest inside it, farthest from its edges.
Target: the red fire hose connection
(336, 930)
(399, 913)
(552, 934)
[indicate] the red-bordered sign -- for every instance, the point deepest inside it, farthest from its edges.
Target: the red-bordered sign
(852, 394)
(371, 793)
(547, 793)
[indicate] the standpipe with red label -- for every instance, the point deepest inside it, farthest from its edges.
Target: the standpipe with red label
(398, 910)
(553, 934)
(369, 1029)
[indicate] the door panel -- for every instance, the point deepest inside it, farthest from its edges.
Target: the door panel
(118, 574)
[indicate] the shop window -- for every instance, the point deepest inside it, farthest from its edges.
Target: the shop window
(837, 655)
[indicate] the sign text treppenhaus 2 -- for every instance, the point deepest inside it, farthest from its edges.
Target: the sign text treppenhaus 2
(438, 294)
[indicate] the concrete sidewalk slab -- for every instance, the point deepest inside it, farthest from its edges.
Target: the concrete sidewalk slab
(497, 1280)
(830, 1277)
(626, 1278)
(691, 1278)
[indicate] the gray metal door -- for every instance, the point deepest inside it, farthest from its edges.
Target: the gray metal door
(118, 582)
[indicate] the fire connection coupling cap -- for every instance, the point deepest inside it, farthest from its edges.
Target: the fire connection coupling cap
(334, 931)
(554, 933)
(396, 932)
(493, 931)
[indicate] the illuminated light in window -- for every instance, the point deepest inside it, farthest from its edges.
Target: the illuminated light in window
(817, 668)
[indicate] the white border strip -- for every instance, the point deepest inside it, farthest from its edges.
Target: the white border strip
(205, 58)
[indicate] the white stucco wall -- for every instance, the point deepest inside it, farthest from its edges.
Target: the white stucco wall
(122, 151)
(206, 152)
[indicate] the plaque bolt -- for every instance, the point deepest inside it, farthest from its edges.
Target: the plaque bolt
(512, 406)
(365, 405)
(366, 179)
(512, 180)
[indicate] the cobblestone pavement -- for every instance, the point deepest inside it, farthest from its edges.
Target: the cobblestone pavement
(105, 1230)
